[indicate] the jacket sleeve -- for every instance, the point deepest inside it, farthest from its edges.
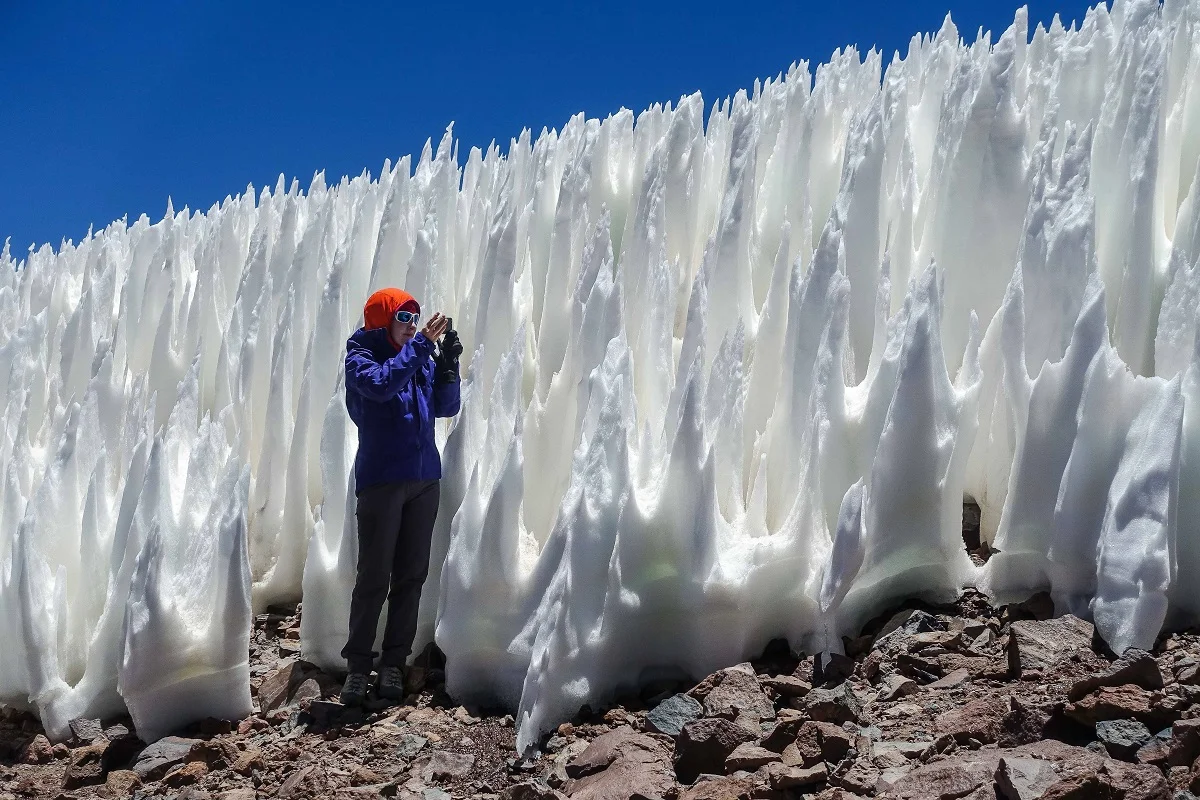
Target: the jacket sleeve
(380, 382)
(445, 398)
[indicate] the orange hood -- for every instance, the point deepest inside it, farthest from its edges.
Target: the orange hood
(382, 306)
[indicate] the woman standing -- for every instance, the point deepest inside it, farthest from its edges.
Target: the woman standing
(395, 387)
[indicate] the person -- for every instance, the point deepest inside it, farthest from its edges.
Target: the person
(396, 385)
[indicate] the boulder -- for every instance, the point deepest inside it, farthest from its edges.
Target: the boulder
(621, 744)
(703, 746)
(895, 686)
(749, 757)
(717, 787)
(122, 782)
(1041, 644)
(38, 751)
(981, 720)
(669, 716)
(736, 693)
(86, 767)
(85, 730)
(153, 762)
(1123, 738)
(186, 775)
(248, 761)
(950, 680)
(1086, 779)
(787, 685)
(443, 765)
(1134, 667)
(944, 780)
(784, 777)
(836, 705)
(1122, 702)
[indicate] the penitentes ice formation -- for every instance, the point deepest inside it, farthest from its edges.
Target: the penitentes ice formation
(731, 380)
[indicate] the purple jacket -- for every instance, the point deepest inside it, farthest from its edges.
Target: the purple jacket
(393, 399)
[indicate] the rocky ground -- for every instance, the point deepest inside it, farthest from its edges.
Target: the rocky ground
(965, 701)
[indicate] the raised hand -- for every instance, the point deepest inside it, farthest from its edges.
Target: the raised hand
(435, 327)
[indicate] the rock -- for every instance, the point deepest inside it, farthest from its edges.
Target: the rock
(444, 765)
(153, 762)
(835, 705)
(886, 755)
(122, 782)
(249, 761)
(944, 780)
(86, 730)
(1041, 644)
(275, 687)
(950, 680)
(736, 692)
(832, 669)
(1086, 779)
(1024, 778)
(1123, 737)
(86, 767)
(308, 689)
(907, 623)
(624, 779)
(238, 794)
(672, 714)
(704, 744)
(116, 731)
(981, 720)
(895, 686)
(530, 790)
(363, 776)
(1120, 702)
(787, 685)
(785, 777)
(38, 751)
(1181, 746)
(409, 745)
(1135, 667)
(216, 753)
(186, 775)
(1022, 724)
(749, 757)
(621, 744)
(717, 787)
(295, 783)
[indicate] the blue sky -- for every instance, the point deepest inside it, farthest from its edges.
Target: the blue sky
(109, 108)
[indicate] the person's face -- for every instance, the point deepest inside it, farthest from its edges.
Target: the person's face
(403, 332)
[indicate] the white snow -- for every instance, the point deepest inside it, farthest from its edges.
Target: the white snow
(730, 375)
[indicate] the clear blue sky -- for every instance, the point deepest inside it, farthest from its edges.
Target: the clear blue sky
(108, 108)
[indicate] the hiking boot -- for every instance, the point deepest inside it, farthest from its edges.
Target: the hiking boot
(354, 690)
(391, 683)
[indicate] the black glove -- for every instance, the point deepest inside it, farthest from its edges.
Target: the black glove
(449, 349)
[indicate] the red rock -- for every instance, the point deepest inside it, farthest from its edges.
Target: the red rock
(749, 757)
(737, 692)
(620, 744)
(703, 746)
(186, 775)
(1122, 702)
(122, 782)
(981, 720)
(785, 777)
(38, 751)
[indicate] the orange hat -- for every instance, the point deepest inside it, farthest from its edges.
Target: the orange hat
(382, 306)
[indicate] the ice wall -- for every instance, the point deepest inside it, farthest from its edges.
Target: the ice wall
(731, 372)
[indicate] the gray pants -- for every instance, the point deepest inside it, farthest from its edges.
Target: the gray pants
(395, 527)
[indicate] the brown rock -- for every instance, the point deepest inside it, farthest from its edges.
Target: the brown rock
(736, 693)
(276, 685)
(950, 680)
(86, 767)
(38, 751)
(363, 776)
(621, 744)
(703, 746)
(294, 784)
(1041, 644)
(186, 775)
(622, 780)
(945, 780)
(1084, 779)
(122, 782)
(242, 793)
(249, 761)
(784, 732)
(981, 720)
(785, 777)
(715, 787)
(1134, 667)
(895, 686)
(787, 686)
(86, 730)
(749, 757)
(215, 753)
(1121, 702)
(1023, 724)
